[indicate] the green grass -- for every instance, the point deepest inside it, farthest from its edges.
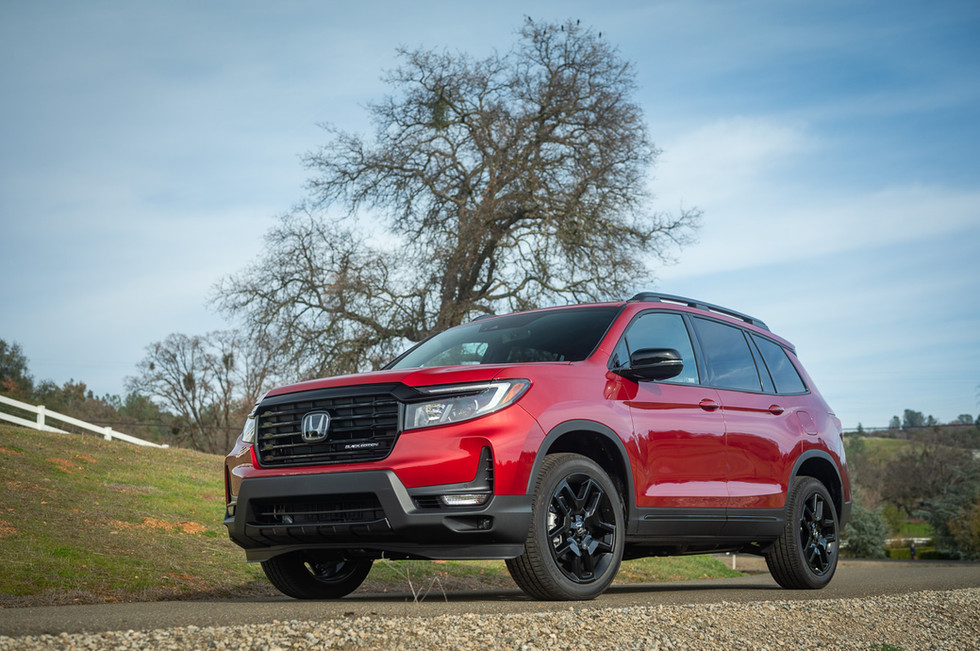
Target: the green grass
(885, 448)
(915, 530)
(87, 520)
(674, 568)
(84, 520)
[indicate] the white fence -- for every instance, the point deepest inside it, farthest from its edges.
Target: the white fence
(43, 415)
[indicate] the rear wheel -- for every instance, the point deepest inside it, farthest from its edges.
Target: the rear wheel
(303, 576)
(575, 543)
(805, 556)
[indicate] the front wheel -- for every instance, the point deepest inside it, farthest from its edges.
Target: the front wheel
(303, 576)
(805, 555)
(575, 543)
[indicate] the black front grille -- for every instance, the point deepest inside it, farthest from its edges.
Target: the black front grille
(363, 426)
(311, 510)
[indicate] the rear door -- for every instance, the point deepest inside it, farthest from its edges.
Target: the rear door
(762, 427)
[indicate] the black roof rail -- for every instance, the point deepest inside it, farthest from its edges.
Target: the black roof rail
(656, 297)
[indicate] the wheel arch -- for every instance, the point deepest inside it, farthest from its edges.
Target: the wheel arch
(820, 465)
(595, 441)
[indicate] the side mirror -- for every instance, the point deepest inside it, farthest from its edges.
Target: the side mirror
(653, 364)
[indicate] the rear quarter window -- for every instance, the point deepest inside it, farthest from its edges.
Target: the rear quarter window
(782, 370)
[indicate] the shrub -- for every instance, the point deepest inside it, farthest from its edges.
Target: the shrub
(866, 533)
(966, 531)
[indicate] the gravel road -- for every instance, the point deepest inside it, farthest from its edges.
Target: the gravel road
(947, 620)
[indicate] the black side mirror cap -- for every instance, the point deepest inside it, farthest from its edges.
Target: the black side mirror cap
(652, 364)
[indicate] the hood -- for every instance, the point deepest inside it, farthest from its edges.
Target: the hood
(413, 377)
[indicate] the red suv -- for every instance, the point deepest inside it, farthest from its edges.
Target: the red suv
(562, 440)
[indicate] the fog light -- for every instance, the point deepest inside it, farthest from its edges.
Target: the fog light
(465, 499)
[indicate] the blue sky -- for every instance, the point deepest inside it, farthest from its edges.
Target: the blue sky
(833, 147)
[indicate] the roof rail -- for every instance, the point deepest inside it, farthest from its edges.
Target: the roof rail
(656, 297)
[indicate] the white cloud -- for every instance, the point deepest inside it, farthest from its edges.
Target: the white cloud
(744, 174)
(719, 161)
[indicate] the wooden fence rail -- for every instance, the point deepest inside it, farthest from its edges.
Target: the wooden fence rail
(43, 415)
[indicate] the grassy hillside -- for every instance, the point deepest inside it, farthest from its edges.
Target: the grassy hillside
(885, 448)
(88, 520)
(84, 520)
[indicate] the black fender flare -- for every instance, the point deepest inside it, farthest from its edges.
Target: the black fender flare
(837, 490)
(592, 427)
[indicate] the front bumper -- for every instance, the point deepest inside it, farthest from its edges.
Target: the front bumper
(370, 514)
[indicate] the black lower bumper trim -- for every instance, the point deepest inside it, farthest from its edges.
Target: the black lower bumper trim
(276, 515)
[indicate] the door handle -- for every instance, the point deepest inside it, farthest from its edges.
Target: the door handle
(775, 410)
(708, 405)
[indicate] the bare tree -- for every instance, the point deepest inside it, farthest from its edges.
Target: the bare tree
(506, 183)
(209, 381)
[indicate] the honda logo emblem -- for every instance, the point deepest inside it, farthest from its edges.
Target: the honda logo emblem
(316, 425)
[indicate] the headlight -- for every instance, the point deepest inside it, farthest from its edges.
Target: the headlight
(459, 402)
(248, 432)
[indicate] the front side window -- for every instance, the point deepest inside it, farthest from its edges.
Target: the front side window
(727, 356)
(659, 330)
(561, 335)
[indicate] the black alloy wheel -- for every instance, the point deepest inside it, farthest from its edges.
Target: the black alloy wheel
(304, 576)
(805, 555)
(579, 528)
(818, 534)
(575, 543)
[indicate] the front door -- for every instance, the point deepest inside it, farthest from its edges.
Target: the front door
(679, 431)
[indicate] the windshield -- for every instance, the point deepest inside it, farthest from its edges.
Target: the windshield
(563, 335)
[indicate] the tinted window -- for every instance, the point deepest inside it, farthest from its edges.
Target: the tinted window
(552, 336)
(464, 353)
(783, 372)
(727, 356)
(660, 330)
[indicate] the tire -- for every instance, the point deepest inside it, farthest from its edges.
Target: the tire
(575, 543)
(303, 576)
(805, 555)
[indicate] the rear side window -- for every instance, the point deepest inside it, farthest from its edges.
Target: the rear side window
(784, 374)
(727, 356)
